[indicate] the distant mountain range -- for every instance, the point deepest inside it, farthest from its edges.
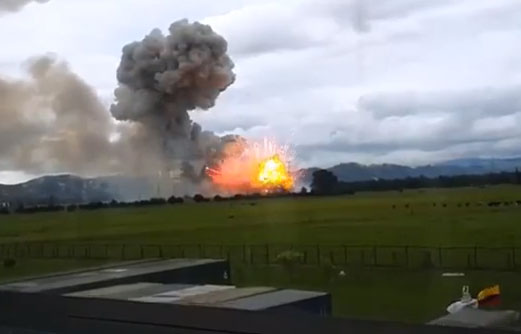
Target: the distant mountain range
(66, 189)
(351, 172)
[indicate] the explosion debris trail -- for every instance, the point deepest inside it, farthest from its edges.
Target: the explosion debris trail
(161, 78)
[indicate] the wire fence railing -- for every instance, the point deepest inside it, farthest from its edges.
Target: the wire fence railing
(413, 257)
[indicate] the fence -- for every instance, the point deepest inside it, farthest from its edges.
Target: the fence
(414, 257)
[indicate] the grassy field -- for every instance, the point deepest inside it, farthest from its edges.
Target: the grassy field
(385, 218)
(365, 218)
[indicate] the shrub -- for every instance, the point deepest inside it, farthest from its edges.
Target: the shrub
(289, 258)
(9, 263)
(200, 198)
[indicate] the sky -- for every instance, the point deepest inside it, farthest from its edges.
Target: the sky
(372, 81)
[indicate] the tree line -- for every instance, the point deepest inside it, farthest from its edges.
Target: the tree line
(198, 198)
(326, 183)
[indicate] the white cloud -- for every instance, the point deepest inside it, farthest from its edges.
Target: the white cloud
(402, 81)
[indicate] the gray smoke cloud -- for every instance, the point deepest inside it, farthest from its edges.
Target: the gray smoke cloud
(162, 78)
(53, 121)
(15, 5)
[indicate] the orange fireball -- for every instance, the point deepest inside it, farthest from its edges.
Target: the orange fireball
(260, 167)
(272, 173)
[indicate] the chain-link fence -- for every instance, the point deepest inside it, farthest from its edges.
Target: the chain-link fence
(414, 257)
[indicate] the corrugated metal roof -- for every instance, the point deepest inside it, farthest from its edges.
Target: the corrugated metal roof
(224, 295)
(74, 279)
(129, 291)
(270, 299)
(107, 292)
(151, 291)
(172, 296)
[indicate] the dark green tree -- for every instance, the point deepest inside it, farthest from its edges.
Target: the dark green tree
(324, 182)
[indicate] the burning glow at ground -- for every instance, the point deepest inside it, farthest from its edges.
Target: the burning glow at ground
(256, 167)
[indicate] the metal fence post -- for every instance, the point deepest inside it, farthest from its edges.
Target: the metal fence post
(263, 252)
(514, 265)
(406, 250)
(475, 257)
(440, 258)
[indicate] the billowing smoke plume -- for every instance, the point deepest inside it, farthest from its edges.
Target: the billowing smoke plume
(53, 121)
(162, 78)
(15, 5)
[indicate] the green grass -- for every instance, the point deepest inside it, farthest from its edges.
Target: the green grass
(365, 218)
(362, 219)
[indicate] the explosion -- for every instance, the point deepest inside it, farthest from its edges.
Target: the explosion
(274, 174)
(256, 167)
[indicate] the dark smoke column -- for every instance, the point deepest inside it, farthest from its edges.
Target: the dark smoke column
(161, 78)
